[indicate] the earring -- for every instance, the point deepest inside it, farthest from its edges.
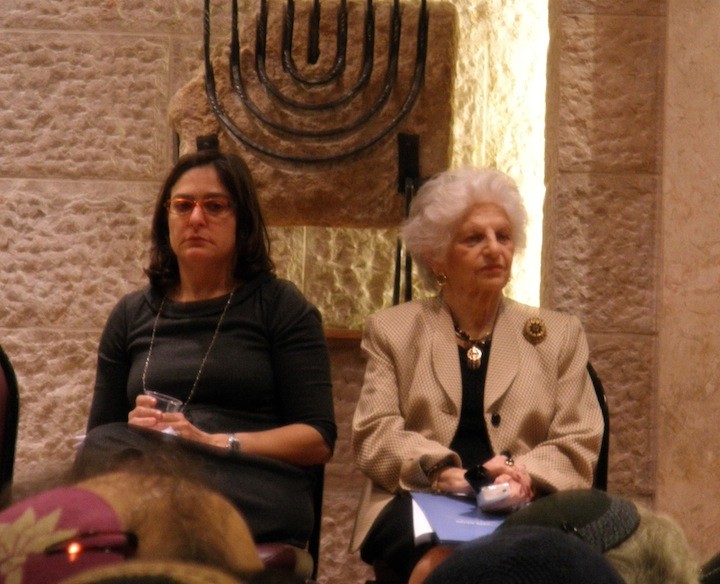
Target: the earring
(440, 280)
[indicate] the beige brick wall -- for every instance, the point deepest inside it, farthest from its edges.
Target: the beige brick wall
(630, 236)
(688, 371)
(83, 108)
(600, 255)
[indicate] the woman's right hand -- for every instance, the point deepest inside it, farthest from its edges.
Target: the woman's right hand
(145, 414)
(503, 469)
(451, 479)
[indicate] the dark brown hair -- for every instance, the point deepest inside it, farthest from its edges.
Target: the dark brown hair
(252, 244)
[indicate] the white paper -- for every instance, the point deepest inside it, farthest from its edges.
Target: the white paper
(423, 532)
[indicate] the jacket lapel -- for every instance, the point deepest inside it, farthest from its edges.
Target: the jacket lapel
(445, 357)
(504, 361)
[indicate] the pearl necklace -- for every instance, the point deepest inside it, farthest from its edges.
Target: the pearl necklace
(204, 359)
(475, 350)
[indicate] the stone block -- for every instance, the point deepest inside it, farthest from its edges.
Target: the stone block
(348, 366)
(135, 16)
(614, 7)
(83, 106)
(185, 54)
(516, 37)
(288, 250)
(70, 250)
(610, 78)
(689, 408)
(343, 481)
(600, 250)
(624, 364)
(349, 273)
(689, 346)
(55, 371)
(470, 90)
(337, 564)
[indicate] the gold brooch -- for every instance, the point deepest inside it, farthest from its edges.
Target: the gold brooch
(535, 331)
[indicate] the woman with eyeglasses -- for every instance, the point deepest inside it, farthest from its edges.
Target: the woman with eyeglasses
(241, 351)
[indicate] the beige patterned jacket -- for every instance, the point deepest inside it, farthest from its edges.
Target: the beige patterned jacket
(539, 402)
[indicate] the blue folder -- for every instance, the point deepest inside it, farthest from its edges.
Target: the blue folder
(455, 520)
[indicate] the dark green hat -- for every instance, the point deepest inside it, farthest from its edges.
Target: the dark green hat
(525, 555)
(603, 521)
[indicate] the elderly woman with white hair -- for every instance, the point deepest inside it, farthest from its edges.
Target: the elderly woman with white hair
(467, 378)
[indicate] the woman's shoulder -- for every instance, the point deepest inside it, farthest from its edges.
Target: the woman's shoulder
(136, 300)
(132, 308)
(407, 314)
(407, 326)
(280, 290)
(283, 304)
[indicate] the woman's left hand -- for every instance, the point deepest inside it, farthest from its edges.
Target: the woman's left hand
(297, 444)
(501, 466)
(519, 497)
(517, 476)
(183, 428)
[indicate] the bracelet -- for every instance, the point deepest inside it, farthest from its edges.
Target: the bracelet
(438, 466)
(434, 471)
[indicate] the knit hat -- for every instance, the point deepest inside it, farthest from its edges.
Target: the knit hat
(37, 534)
(603, 521)
(525, 555)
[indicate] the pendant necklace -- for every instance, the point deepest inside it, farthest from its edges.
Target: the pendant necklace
(204, 359)
(475, 349)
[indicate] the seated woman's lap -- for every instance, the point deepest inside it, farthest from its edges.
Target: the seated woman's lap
(274, 497)
(391, 539)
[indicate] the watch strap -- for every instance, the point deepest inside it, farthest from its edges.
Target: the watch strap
(233, 444)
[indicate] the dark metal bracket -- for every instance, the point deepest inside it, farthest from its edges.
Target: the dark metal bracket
(408, 183)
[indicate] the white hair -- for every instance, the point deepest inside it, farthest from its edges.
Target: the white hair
(444, 201)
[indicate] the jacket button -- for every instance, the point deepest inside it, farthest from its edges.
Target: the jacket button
(495, 420)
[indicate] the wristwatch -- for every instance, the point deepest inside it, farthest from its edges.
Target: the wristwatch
(233, 444)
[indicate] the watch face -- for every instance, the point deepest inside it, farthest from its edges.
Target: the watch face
(233, 443)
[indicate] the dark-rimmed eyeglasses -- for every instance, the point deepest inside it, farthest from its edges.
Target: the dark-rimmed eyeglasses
(211, 206)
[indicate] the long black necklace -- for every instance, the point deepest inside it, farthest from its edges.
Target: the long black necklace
(475, 347)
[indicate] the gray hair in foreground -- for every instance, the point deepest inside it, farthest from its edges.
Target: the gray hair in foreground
(443, 202)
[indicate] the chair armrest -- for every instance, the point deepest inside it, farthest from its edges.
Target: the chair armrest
(286, 558)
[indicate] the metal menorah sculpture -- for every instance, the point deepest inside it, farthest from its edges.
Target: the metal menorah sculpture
(313, 103)
(331, 116)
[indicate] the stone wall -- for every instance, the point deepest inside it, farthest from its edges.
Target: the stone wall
(688, 364)
(600, 254)
(630, 236)
(343, 482)
(83, 108)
